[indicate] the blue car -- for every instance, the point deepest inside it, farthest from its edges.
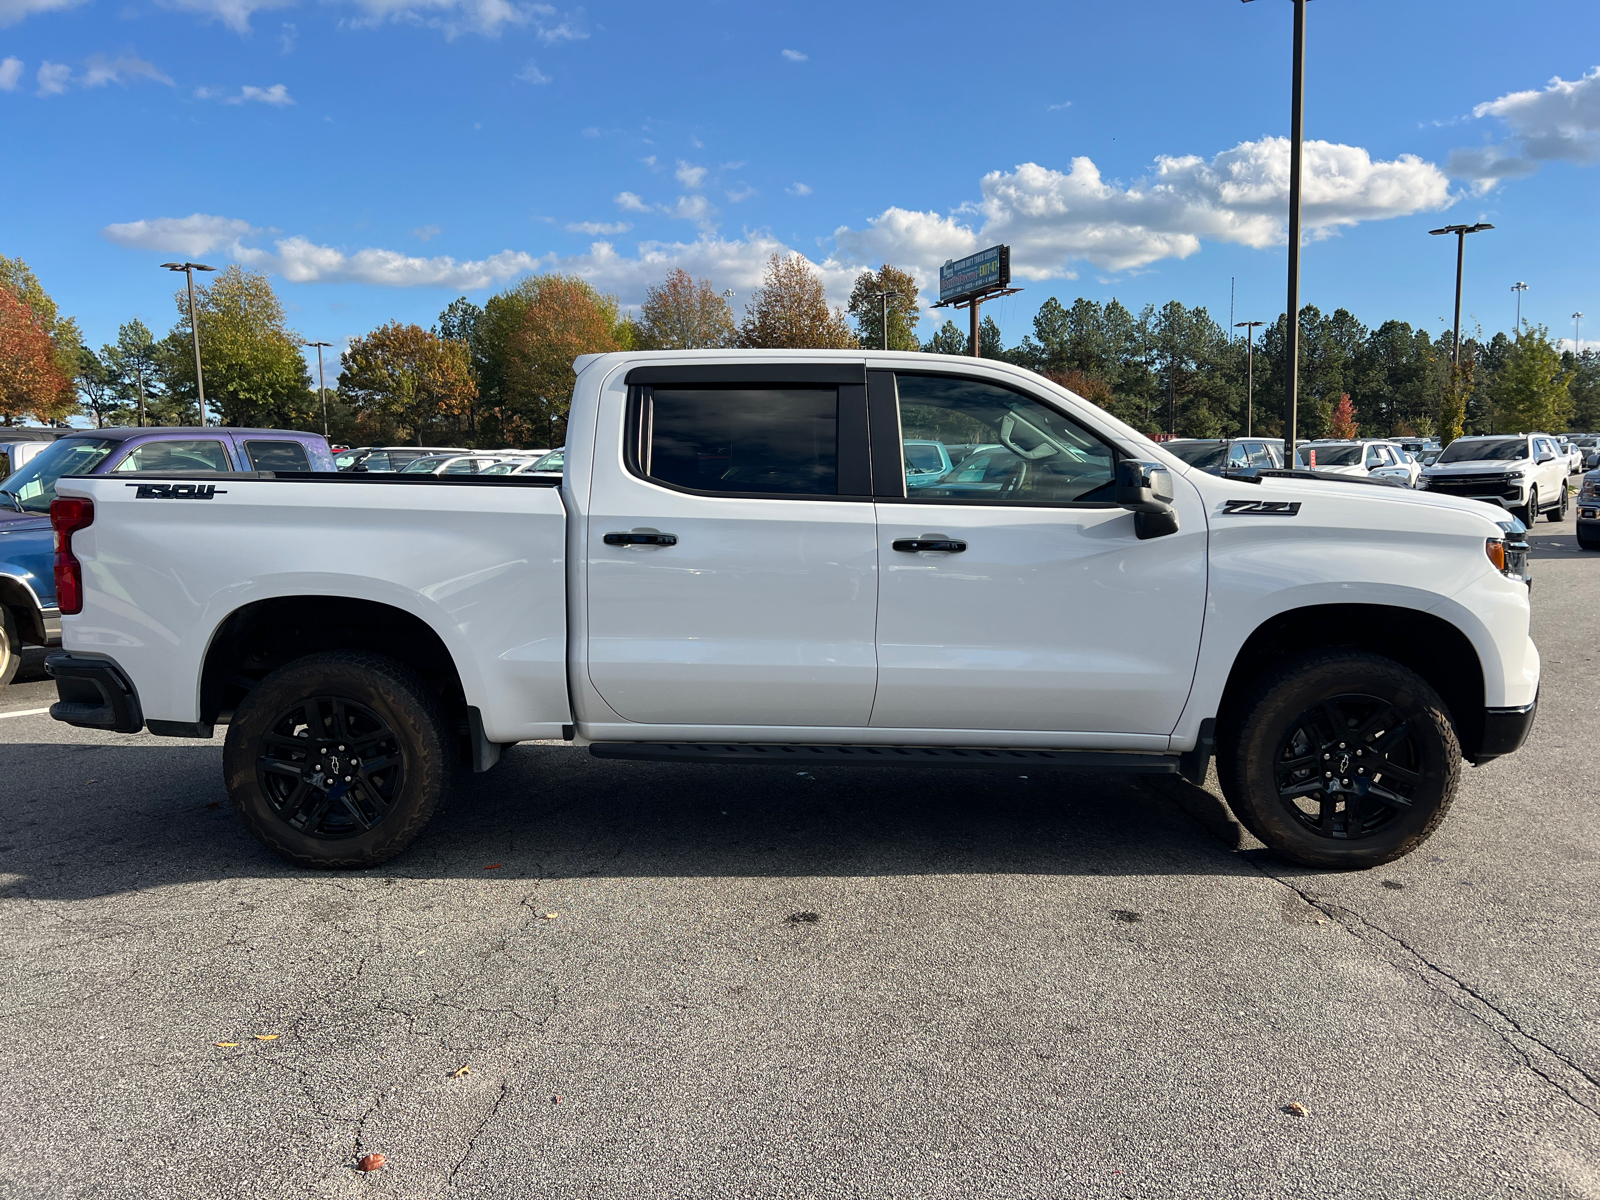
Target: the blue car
(28, 612)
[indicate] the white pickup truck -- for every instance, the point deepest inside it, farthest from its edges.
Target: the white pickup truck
(733, 570)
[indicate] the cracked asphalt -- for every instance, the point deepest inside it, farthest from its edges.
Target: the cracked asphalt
(673, 981)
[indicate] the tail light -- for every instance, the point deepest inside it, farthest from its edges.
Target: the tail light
(68, 514)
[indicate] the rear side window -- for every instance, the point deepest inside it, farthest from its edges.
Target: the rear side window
(199, 454)
(1258, 454)
(277, 456)
(741, 440)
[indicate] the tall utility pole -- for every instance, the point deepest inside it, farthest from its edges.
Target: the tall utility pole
(1519, 287)
(1577, 342)
(321, 387)
(1297, 95)
(189, 269)
(1250, 328)
(883, 305)
(1461, 232)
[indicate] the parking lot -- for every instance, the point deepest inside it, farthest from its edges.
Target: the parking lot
(590, 979)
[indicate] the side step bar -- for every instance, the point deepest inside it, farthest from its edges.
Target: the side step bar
(887, 756)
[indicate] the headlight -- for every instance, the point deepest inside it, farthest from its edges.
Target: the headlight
(1509, 554)
(1516, 474)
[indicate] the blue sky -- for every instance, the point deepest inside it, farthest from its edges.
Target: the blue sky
(379, 157)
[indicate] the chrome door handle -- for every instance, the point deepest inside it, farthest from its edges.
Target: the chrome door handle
(917, 545)
(641, 539)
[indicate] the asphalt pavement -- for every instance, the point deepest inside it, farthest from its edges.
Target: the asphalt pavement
(611, 980)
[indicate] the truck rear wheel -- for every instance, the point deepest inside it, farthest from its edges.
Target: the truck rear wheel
(338, 760)
(1341, 759)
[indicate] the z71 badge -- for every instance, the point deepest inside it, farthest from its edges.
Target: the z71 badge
(176, 491)
(1261, 508)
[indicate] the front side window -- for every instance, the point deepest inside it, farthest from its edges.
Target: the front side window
(33, 485)
(197, 454)
(277, 456)
(1238, 457)
(1025, 452)
(1259, 456)
(775, 441)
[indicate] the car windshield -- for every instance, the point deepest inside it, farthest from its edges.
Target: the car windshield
(1491, 449)
(34, 483)
(347, 458)
(1204, 455)
(499, 468)
(551, 461)
(1338, 455)
(923, 457)
(424, 466)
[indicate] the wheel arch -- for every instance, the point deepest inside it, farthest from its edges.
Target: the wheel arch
(1435, 649)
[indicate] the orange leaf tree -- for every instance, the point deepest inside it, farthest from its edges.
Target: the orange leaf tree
(789, 311)
(1342, 423)
(32, 383)
(402, 381)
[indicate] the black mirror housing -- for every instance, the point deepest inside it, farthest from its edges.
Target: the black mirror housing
(1145, 489)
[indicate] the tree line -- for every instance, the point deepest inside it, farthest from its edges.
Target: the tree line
(500, 373)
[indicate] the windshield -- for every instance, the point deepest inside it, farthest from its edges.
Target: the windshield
(1331, 456)
(34, 483)
(1492, 449)
(423, 466)
(499, 468)
(1204, 455)
(551, 461)
(923, 457)
(347, 458)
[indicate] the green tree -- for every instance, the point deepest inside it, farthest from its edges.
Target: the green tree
(1530, 391)
(789, 311)
(133, 364)
(565, 317)
(867, 308)
(65, 340)
(403, 382)
(255, 374)
(462, 321)
(97, 387)
(949, 340)
(1584, 372)
(683, 313)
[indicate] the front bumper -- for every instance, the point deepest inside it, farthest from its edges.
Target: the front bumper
(1504, 731)
(95, 694)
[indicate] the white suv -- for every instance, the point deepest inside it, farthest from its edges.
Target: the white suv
(1364, 456)
(1523, 472)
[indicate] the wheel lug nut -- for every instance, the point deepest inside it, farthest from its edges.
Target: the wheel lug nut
(341, 747)
(1341, 746)
(1327, 756)
(1327, 774)
(1361, 770)
(347, 779)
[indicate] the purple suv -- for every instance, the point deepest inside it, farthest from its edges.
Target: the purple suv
(27, 549)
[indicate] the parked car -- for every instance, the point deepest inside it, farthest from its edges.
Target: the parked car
(1228, 456)
(1588, 522)
(380, 459)
(1521, 472)
(740, 574)
(1573, 454)
(1364, 458)
(551, 464)
(1588, 445)
(511, 466)
(927, 461)
(28, 610)
(449, 464)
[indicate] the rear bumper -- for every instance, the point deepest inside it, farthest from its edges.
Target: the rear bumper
(1504, 731)
(95, 694)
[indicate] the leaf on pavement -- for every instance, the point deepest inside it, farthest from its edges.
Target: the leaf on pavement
(460, 1071)
(225, 1045)
(372, 1162)
(265, 1037)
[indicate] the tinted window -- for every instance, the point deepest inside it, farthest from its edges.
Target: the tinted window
(1330, 456)
(190, 455)
(778, 441)
(1258, 454)
(1491, 449)
(1205, 455)
(1031, 454)
(34, 483)
(277, 456)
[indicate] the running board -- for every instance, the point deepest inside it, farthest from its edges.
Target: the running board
(886, 756)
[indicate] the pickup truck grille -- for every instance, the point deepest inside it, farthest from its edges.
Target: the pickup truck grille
(1497, 484)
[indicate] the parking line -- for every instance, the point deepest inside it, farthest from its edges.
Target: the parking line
(24, 712)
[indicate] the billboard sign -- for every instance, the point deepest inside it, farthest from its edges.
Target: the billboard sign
(986, 271)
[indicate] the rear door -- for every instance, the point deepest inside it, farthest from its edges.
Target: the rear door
(732, 548)
(1021, 598)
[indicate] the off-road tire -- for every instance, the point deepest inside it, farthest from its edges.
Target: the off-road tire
(1529, 512)
(1559, 512)
(383, 687)
(1588, 543)
(10, 647)
(1252, 736)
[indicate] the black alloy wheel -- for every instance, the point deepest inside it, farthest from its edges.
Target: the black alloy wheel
(339, 759)
(1559, 512)
(1339, 758)
(1530, 514)
(331, 768)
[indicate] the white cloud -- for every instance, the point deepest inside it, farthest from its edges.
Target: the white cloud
(1052, 218)
(235, 14)
(689, 175)
(1059, 107)
(53, 78)
(10, 74)
(12, 11)
(592, 228)
(277, 95)
(300, 260)
(487, 17)
(1562, 122)
(741, 194)
(190, 236)
(426, 232)
(795, 56)
(100, 70)
(531, 74)
(287, 38)
(799, 189)
(631, 202)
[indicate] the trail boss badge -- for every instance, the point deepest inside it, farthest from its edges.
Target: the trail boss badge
(1261, 508)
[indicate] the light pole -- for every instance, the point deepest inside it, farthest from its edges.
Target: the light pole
(1461, 232)
(1577, 342)
(189, 269)
(1250, 328)
(321, 387)
(1297, 95)
(1519, 287)
(883, 307)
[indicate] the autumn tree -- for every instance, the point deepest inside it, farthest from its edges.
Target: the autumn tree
(254, 371)
(1342, 423)
(65, 340)
(404, 382)
(866, 307)
(683, 313)
(32, 383)
(1530, 391)
(565, 317)
(789, 311)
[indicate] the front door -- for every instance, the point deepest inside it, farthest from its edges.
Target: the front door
(1014, 593)
(732, 551)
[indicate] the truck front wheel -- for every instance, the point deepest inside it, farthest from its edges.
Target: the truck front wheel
(1341, 759)
(338, 760)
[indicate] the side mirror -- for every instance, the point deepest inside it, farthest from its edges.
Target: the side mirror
(1545, 456)
(1145, 489)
